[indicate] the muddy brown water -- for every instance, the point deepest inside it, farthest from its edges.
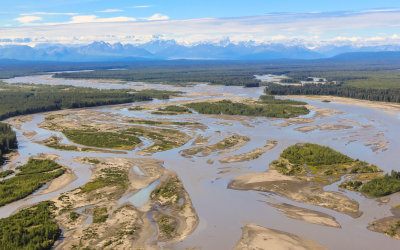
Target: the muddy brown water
(222, 211)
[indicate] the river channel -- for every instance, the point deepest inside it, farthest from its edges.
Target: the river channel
(222, 211)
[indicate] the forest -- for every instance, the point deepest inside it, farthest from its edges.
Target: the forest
(33, 228)
(31, 176)
(357, 72)
(8, 140)
(23, 99)
(227, 107)
(270, 99)
(314, 155)
(234, 76)
(384, 95)
(386, 185)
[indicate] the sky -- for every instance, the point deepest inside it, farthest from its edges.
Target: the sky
(310, 22)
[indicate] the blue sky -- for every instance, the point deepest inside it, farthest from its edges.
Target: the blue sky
(185, 20)
(178, 9)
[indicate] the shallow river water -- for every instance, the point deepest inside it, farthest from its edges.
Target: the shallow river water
(223, 211)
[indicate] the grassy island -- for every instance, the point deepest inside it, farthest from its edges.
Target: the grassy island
(102, 139)
(172, 110)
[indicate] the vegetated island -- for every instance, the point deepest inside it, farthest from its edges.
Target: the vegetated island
(254, 154)
(266, 108)
(102, 134)
(303, 170)
(227, 144)
(29, 178)
(118, 220)
(172, 110)
(379, 187)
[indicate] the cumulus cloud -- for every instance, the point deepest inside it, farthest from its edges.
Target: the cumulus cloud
(157, 17)
(48, 13)
(141, 6)
(311, 29)
(96, 19)
(110, 10)
(28, 19)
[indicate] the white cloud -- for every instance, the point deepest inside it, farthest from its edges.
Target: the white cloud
(156, 17)
(47, 13)
(96, 19)
(141, 6)
(28, 19)
(110, 10)
(308, 29)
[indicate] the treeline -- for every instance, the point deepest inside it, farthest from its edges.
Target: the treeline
(270, 99)
(386, 185)
(314, 155)
(32, 176)
(384, 95)
(227, 107)
(228, 77)
(27, 99)
(242, 73)
(33, 228)
(8, 140)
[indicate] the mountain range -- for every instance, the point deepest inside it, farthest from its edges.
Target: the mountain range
(170, 49)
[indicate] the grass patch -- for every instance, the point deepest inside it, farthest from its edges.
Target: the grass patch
(226, 143)
(102, 139)
(170, 190)
(109, 177)
(167, 225)
(164, 139)
(150, 122)
(100, 215)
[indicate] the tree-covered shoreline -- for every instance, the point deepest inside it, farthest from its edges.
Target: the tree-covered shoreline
(8, 140)
(382, 95)
(21, 99)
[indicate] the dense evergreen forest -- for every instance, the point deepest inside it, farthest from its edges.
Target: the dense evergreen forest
(386, 185)
(31, 176)
(314, 155)
(8, 140)
(359, 73)
(23, 99)
(385, 95)
(176, 75)
(14, 68)
(227, 107)
(33, 228)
